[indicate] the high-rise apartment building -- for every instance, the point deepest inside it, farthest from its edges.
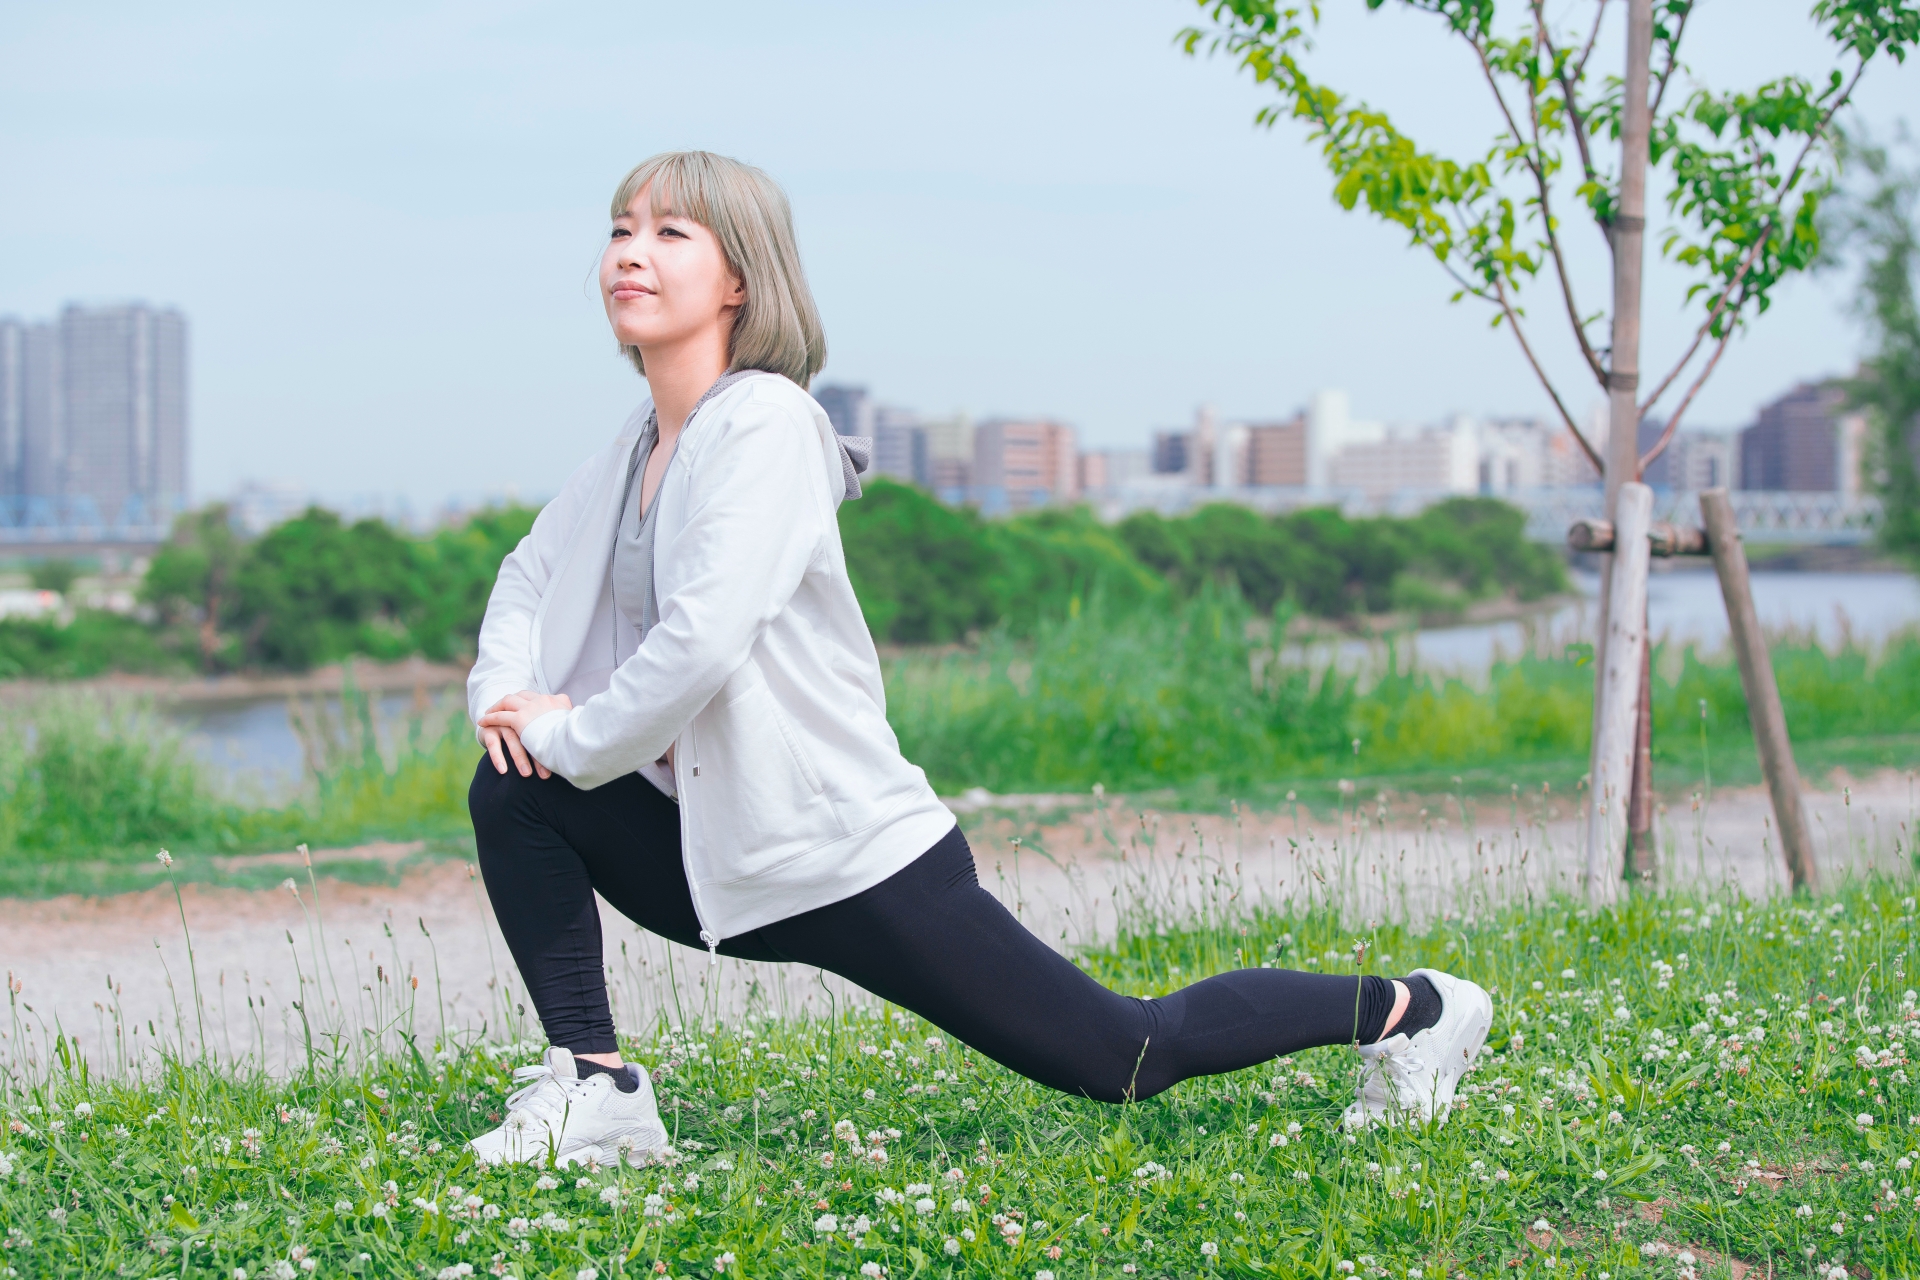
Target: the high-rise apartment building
(949, 456)
(93, 416)
(1021, 464)
(899, 446)
(1277, 453)
(1805, 441)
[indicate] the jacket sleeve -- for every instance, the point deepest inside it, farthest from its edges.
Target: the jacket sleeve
(503, 659)
(755, 504)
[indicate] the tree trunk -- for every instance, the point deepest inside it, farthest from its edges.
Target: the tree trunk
(1617, 721)
(1628, 233)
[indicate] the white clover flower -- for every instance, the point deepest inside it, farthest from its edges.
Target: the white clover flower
(587, 1273)
(1567, 973)
(1277, 1140)
(924, 1205)
(1864, 1120)
(826, 1224)
(1209, 1248)
(1599, 1175)
(723, 1261)
(164, 858)
(872, 1270)
(546, 1182)
(961, 1205)
(952, 1246)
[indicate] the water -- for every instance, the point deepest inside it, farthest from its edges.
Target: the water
(255, 746)
(1684, 606)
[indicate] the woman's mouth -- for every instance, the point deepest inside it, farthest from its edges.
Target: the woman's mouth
(627, 291)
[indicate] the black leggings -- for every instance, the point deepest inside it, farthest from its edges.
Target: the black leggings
(929, 939)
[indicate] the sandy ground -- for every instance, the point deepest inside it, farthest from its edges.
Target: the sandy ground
(116, 973)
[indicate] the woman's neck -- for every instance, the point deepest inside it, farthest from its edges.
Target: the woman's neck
(679, 375)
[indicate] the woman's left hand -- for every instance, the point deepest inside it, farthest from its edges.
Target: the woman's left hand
(518, 710)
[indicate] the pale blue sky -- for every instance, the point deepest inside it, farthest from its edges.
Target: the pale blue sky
(381, 219)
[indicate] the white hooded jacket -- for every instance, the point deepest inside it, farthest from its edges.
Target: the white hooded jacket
(760, 673)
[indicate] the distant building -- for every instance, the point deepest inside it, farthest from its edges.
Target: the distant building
(949, 445)
(899, 446)
(1277, 453)
(1806, 441)
(1169, 453)
(1432, 459)
(93, 415)
(850, 409)
(1103, 469)
(1695, 459)
(1023, 463)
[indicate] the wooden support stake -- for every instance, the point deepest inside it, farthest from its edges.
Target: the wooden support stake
(1616, 720)
(1763, 695)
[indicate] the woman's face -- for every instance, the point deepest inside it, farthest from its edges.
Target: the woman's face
(665, 280)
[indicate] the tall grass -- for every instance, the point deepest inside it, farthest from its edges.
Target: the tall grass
(1132, 699)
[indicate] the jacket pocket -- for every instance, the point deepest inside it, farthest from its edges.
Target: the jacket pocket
(758, 797)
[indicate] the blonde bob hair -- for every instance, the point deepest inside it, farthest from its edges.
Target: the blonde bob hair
(777, 329)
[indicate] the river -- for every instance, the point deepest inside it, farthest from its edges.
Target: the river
(253, 745)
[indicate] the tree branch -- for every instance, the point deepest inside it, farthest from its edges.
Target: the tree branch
(1575, 117)
(1673, 423)
(1513, 323)
(1753, 254)
(1546, 207)
(1700, 335)
(1673, 61)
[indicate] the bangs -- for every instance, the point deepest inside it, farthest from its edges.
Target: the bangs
(676, 186)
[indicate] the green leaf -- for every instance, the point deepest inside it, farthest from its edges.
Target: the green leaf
(179, 1217)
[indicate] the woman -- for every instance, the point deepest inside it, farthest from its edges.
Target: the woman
(682, 709)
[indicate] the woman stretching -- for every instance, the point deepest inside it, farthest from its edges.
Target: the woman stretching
(682, 710)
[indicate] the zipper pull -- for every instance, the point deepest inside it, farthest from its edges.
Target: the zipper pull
(713, 945)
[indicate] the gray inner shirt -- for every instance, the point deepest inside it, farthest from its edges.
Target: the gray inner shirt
(633, 593)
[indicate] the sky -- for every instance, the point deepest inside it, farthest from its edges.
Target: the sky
(381, 220)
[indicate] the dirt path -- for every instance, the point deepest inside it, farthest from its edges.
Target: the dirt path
(113, 971)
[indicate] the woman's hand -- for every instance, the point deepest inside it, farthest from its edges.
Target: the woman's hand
(504, 722)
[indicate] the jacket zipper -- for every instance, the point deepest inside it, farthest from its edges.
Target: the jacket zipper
(707, 935)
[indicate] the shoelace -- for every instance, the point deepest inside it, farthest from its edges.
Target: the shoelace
(543, 1098)
(1397, 1069)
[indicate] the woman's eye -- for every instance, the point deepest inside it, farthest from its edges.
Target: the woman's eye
(673, 231)
(620, 233)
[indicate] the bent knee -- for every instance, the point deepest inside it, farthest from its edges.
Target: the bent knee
(496, 799)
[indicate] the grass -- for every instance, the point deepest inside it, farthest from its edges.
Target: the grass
(1187, 705)
(1194, 697)
(93, 786)
(1713, 1075)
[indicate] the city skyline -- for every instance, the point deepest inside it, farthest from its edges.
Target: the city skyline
(382, 222)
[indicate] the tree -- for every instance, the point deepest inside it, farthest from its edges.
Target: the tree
(316, 589)
(1746, 170)
(1879, 226)
(190, 579)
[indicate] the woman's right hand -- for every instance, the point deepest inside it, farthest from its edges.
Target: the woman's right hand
(494, 739)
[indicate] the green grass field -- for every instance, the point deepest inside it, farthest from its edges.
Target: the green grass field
(1673, 1086)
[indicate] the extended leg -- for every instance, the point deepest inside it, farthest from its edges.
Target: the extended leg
(932, 940)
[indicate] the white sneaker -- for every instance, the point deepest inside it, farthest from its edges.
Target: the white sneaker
(1414, 1077)
(557, 1115)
